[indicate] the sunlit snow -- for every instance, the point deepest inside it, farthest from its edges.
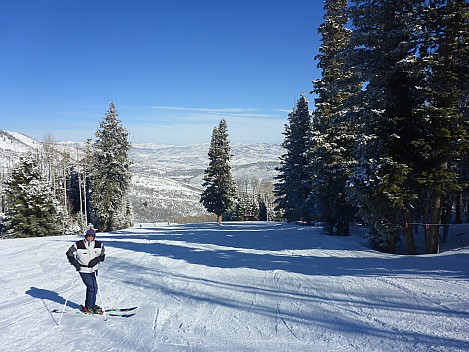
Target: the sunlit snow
(252, 286)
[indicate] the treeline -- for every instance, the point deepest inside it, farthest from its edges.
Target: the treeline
(254, 201)
(55, 191)
(387, 141)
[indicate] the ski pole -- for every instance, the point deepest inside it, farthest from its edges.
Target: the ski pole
(68, 296)
(100, 296)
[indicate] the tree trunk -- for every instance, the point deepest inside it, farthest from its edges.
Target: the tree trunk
(82, 216)
(393, 235)
(343, 228)
(85, 200)
(409, 232)
(458, 208)
(392, 242)
(446, 219)
(433, 240)
(219, 219)
(466, 206)
(328, 226)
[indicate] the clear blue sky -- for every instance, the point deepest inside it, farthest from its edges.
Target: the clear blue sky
(172, 68)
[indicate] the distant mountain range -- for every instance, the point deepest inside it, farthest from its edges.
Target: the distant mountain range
(166, 179)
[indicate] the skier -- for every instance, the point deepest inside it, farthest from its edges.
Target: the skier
(84, 255)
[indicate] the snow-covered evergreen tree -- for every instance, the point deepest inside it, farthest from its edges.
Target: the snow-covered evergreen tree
(31, 210)
(443, 54)
(382, 185)
(110, 175)
(330, 150)
(219, 186)
(412, 58)
(291, 187)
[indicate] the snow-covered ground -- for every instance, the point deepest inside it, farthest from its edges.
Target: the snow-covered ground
(237, 287)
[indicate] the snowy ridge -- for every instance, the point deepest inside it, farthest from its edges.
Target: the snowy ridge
(13, 145)
(15, 141)
(264, 287)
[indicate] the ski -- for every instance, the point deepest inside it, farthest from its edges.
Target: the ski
(116, 315)
(58, 311)
(121, 315)
(74, 311)
(113, 312)
(120, 309)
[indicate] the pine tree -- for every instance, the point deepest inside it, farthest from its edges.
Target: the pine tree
(443, 56)
(263, 210)
(383, 185)
(330, 150)
(31, 210)
(291, 187)
(219, 186)
(110, 175)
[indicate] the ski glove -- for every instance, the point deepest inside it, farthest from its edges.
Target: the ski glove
(93, 262)
(77, 266)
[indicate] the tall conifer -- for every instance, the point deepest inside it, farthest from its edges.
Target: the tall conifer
(110, 175)
(330, 150)
(220, 190)
(383, 52)
(291, 187)
(443, 51)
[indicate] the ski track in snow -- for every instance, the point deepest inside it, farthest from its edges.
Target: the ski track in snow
(236, 287)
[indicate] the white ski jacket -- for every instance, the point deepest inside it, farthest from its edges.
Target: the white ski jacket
(82, 252)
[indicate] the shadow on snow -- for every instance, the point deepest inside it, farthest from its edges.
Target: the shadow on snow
(275, 246)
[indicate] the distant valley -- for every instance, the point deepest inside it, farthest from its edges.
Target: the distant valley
(166, 182)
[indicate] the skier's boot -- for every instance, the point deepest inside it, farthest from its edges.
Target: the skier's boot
(96, 310)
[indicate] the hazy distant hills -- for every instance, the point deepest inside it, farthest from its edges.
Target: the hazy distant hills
(166, 179)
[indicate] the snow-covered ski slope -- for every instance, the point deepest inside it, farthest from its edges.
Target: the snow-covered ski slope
(236, 287)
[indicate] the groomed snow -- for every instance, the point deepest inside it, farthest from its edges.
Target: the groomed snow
(236, 287)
